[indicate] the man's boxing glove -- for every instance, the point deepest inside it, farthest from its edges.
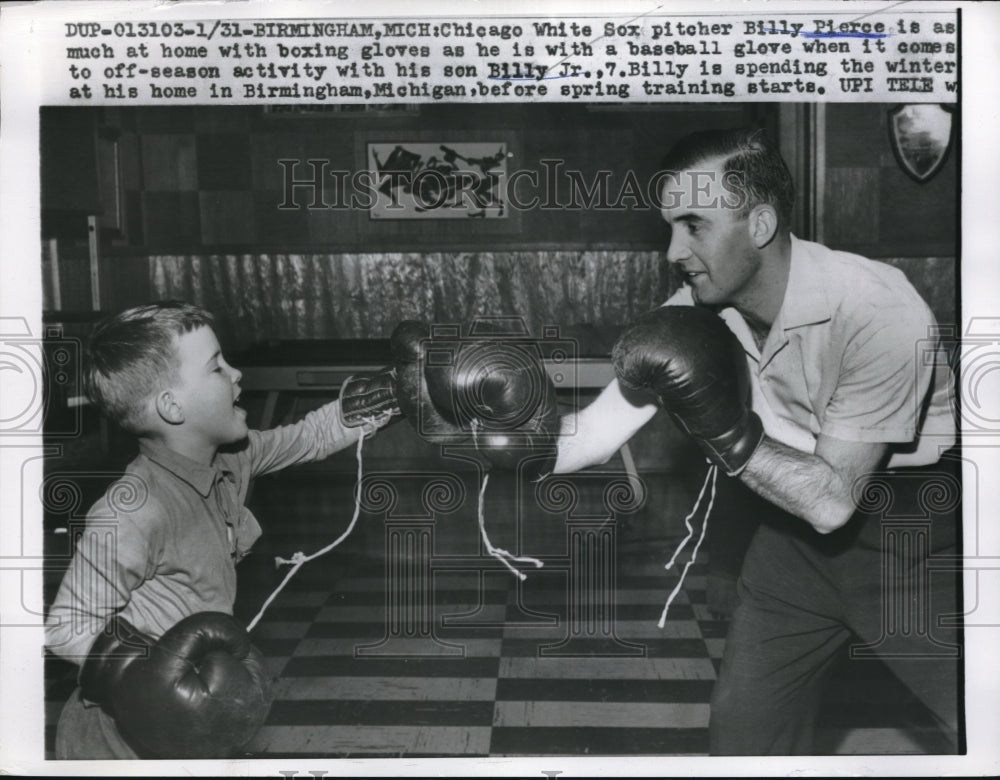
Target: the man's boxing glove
(696, 367)
(407, 343)
(367, 397)
(201, 691)
(493, 390)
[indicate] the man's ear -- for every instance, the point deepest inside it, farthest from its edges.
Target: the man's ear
(763, 224)
(168, 408)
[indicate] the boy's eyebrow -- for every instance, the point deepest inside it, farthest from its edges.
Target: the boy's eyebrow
(214, 356)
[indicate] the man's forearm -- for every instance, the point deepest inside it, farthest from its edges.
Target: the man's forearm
(576, 451)
(595, 433)
(802, 484)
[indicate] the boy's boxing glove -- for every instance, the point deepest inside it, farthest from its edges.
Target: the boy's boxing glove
(201, 691)
(368, 396)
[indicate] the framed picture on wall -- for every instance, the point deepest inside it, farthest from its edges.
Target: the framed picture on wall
(431, 180)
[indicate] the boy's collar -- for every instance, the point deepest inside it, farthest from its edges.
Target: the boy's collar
(198, 475)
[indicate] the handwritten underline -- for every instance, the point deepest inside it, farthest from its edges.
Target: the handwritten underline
(831, 34)
(862, 35)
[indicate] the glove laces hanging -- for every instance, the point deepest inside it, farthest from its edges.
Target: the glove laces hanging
(299, 559)
(710, 476)
(499, 553)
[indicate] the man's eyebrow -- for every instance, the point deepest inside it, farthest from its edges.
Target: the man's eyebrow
(688, 218)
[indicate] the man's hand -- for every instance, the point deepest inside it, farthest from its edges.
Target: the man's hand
(690, 360)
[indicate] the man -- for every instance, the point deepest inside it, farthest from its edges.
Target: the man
(804, 373)
(832, 344)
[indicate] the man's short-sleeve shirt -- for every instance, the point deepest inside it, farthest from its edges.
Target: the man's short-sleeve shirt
(854, 354)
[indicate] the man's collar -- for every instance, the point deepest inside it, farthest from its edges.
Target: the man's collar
(198, 475)
(806, 301)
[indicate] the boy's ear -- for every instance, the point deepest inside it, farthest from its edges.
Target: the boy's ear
(763, 224)
(168, 408)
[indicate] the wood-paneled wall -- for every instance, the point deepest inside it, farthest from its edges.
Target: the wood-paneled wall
(206, 180)
(870, 206)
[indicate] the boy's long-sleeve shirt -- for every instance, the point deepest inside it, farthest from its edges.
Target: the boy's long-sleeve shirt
(162, 543)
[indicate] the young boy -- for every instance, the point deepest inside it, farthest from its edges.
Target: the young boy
(163, 542)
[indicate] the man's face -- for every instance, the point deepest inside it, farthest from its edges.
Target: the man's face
(709, 240)
(207, 390)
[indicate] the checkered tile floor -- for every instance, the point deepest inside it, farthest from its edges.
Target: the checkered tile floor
(479, 684)
(488, 665)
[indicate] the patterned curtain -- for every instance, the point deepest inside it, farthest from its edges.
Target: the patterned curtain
(260, 297)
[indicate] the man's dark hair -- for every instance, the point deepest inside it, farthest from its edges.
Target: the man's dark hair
(131, 354)
(749, 157)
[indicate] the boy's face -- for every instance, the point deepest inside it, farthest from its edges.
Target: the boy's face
(207, 390)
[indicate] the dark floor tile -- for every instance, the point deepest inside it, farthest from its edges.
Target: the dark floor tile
(275, 647)
(286, 613)
(550, 741)
(712, 629)
(654, 648)
(377, 629)
(440, 597)
(319, 754)
(511, 689)
(328, 666)
(651, 612)
(380, 713)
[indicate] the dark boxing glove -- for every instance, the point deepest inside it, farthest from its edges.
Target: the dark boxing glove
(114, 650)
(494, 390)
(693, 363)
(367, 397)
(201, 691)
(407, 344)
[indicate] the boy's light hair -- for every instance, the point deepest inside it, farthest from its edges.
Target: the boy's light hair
(131, 355)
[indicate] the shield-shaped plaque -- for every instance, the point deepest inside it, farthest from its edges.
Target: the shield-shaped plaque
(920, 135)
